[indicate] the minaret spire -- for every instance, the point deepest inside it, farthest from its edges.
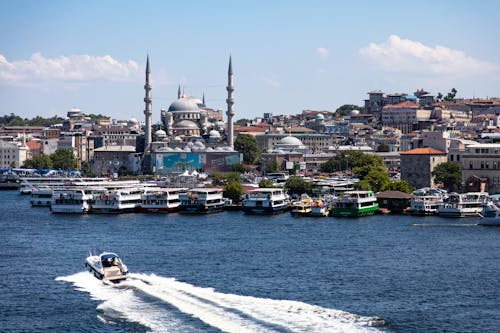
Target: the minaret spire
(203, 99)
(179, 91)
(148, 110)
(230, 102)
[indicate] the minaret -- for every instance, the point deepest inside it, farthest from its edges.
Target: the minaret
(179, 92)
(148, 111)
(230, 102)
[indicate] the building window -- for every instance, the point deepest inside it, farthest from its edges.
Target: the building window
(470, 166)
(482, 164)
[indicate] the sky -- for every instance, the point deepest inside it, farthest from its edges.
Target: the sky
(287, 56)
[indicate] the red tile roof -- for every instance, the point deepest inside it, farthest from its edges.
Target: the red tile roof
(423, 151)
(402, 105)
(34, 145)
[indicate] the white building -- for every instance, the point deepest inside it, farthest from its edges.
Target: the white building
(12, 154)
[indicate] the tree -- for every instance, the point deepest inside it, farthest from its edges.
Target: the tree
(39, 162)
(297, 185)
(63, 159)
(346, 109)
(272, 166)
(383, 148)
(233, 191)
(233, 177)
(247, 145)
(439, 97)
(377, 178)
(86, 168)
(240, 167)
(243, 122)
(397, 185)
(451, 96)
(266, 183)
(218, 179)
(449, 175)
(364, 185)
(343, 160)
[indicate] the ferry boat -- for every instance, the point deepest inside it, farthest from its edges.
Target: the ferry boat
(161, 200)
(468, 204)
(121, 200)
(426, 201)
(302, 207)
(320, 208)
(28, 184)
(201, 201)
(72, 200)
(354, 204)
(106, 266)
(41, 196)
(265, 201)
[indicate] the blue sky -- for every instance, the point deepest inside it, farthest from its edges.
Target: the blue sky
(287, 55)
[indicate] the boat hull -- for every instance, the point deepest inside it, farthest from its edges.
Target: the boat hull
(198, 209)
(265, 210)
(354, 212)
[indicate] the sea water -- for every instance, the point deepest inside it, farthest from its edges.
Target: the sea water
(230, 272)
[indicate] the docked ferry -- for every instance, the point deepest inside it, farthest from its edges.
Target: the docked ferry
(468, 204)
(121, 200)
(75, 200)
(265, 201)
(354, 204)
(41, 196)
(302, 207)
(161, 200)
(426, 201)
(201, 201)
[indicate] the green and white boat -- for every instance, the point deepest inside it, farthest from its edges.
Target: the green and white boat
(354, 204)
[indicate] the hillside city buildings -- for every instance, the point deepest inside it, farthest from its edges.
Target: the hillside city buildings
(413, 133)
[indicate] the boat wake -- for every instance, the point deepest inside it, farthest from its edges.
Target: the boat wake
(166, 305)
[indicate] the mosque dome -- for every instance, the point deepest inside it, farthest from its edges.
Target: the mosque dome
(320, 116)
(132, 122)
(290, 141)
(160, 134)
(213, 134)
(186, 124)
(184, 104)
(354, 112)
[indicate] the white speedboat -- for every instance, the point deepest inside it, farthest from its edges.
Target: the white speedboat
(490, 214)
(265, 201)
(106, 266)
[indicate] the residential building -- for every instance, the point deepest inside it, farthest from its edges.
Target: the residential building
(481, 162)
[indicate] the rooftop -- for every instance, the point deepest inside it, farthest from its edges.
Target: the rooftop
(423, 151)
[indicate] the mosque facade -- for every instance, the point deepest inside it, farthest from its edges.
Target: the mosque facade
(188, 140)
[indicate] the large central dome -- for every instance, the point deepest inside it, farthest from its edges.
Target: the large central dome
(185, 104)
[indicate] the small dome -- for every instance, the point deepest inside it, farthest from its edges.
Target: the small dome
(188, 124)
(290, 141)
(214, 134)
(160, 134)
(133, 121)
(320, 116)
(354, 112)
(199, 144)
(177, 138)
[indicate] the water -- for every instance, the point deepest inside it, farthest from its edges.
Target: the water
(237, 273)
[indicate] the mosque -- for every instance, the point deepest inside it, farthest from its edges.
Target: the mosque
(189, 141)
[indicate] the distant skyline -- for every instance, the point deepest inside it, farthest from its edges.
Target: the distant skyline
(287, 55)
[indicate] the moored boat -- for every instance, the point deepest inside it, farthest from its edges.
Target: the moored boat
(201, 201)
(161, 200)
(320, 208)
(121, 200)
(265, 201)
(354, 204)
(302, 207)
(41, 196)
(72, 200)
(106, 266)
(426, 201)
(490, 214)
(468, 204)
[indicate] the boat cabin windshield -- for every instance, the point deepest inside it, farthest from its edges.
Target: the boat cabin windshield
(110, 261)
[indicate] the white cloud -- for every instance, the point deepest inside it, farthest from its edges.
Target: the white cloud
(322, 52)
(399, 54)
(74, 68)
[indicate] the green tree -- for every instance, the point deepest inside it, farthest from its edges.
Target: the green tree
(266, 183)
(367, 163)
(297, 185)
(377, 178)
(343, 160)
(233, 177)
(233, 191)
(39, 162)
(218, 179)
(383, 148)
(397, 185)
(247, 145)
(242, 122)
(240, 167)
(364, 185)
(449, 175)
(86, 168)
(450, 97)
(63, 159)
(272, 166)
(345, 109)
